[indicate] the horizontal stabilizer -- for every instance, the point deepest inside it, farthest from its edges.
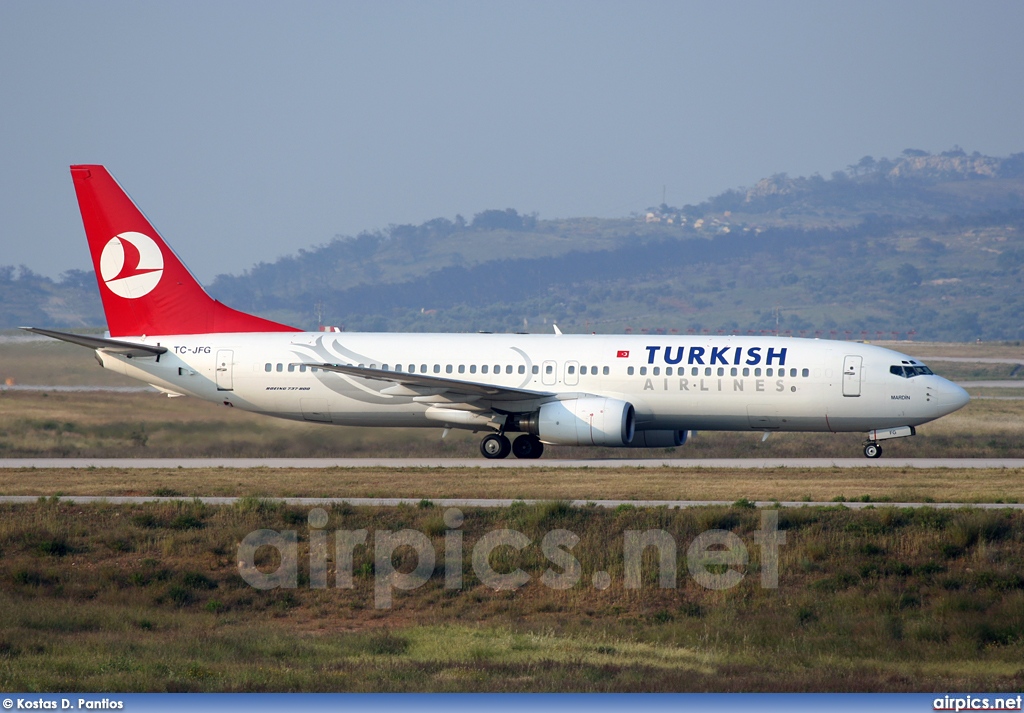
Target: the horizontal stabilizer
(113, 346)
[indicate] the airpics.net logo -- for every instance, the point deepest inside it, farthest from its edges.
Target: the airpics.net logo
(131, 265)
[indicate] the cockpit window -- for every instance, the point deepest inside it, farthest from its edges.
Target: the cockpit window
(909, 372)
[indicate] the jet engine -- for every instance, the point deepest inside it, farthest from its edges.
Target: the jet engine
(585, 421)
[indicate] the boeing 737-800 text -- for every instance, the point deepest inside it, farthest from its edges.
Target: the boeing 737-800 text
(618, 391)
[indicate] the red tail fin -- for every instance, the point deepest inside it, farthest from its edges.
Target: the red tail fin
(145, 288)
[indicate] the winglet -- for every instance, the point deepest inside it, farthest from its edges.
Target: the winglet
(557, 330)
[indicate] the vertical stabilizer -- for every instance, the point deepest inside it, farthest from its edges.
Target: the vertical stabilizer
(145, 288)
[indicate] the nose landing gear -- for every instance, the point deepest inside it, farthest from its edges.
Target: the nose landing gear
(871, 447)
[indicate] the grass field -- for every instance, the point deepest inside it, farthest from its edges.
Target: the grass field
(58, 424)
(148, 598)
(783, 484)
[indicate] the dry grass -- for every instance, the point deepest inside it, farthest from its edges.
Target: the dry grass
(152, 425)
(55, 363)
(989, 350)
(147, 598)
(784, 484)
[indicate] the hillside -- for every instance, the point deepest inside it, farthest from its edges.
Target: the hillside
(929, 246)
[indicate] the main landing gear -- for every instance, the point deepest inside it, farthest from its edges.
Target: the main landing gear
(497, 445)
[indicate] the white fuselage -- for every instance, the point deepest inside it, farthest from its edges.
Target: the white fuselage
(699, 383)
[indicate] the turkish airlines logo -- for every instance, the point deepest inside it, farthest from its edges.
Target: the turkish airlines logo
(131, 265)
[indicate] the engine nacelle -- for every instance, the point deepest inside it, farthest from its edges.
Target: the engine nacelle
(659, 439)
(586, 421)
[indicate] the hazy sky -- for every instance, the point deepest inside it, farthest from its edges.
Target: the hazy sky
(248, 130)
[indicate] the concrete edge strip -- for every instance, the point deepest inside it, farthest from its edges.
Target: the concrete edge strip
(402, 463)
(487, 502)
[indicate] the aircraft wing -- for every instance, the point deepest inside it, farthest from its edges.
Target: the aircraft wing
(424, 383)
(110, 345)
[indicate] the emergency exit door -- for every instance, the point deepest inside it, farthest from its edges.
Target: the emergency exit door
(852, 367)
(225, 377)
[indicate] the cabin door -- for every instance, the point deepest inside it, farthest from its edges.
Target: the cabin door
(852, 368)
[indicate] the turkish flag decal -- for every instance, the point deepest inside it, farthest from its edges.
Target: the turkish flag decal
(623, 354)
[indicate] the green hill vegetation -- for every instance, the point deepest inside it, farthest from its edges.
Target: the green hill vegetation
(926, 246)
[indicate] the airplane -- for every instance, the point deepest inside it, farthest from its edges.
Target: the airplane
(620, 391)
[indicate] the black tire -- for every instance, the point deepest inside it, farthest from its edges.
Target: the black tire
(527, 446)
(495, 446)
(873, 450)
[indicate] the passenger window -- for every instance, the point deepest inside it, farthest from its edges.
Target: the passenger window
(522, 369)
(593, 371)
(668, 371)
(535, 369)
(472, 368)
(437, 368)
(497, 368)
(384, 367)
(423, 368)
(694, 371)
(448, 369)
(629, 371)
(302, 368)
(806, 372)
(606, 371)
(280, 367)
(412, 368)
(549, 369)
(572, 370)
(643, 371)
(792, 372)
(313, 369)
(462, 368)
(508, 369)
(746, 371)
(398, 368)
(768, 371)
(483, 369)
(656, 371)
(733, 371)
(757, 371)
(721, 371)
(268, 367)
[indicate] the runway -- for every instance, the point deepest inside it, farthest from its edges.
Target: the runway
(497, 502)
(551, 463)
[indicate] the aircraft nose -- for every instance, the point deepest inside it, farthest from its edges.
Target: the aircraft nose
(952, 397)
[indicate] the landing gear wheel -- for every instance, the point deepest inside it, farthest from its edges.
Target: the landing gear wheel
(873, 450)
(527, 446)
(495, 446)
